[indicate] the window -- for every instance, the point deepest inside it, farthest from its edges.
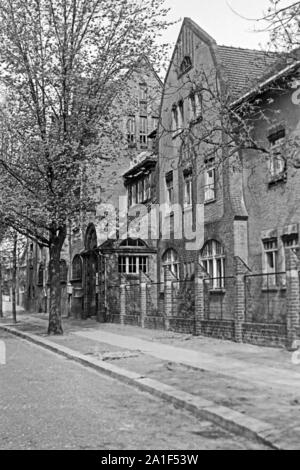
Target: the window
(170, 189)
(189, 270)
(174, 120)
(210, 182)
(41, 275)
(155, 121)
(131, 130)
(77, 269)
(130, 242)
(143, 130)
(186, 65)
(180, 115)
(63, 272)
(291, 241)
(171, 261)
(177, 118)
(213, 261)
(188, 189)
(195, 100)
(143, 92)
(140, 191)
(277, 164)
(271, 261)
(133, 264)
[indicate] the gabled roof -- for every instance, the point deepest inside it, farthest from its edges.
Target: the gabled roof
(244, 67)
(242, 70)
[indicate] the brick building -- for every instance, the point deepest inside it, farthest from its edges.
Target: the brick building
(247, 206)
(85, 266)
(206, 237)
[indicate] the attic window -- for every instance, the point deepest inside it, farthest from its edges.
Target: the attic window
(186, 64)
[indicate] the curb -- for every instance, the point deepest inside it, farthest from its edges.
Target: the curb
(227, 418)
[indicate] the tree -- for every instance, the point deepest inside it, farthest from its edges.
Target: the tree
(283, 24)
(63, 62)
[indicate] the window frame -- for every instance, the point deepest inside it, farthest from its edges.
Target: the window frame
(210, 188)
(131, 132)
(143, 131)
(170, 260)
(131, 264)
(169, 182)
(276, 161)
(195, 106)
(271, 253)
(188, 190)
(77, 278)
(212, 259)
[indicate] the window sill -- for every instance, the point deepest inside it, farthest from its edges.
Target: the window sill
(211, 201)
(273, 289)
(196, 120)
(217, 291)
(274, 180)
(142, 203)
(181, 74)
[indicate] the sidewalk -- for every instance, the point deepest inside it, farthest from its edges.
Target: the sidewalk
(259, 383)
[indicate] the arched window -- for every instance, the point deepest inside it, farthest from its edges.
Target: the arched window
(171, 261)
(133, 243)
(63, 272)
(41, 275)
(213, 261)
(186, 64)
(131, 130)
(77, 268)
(91, 238)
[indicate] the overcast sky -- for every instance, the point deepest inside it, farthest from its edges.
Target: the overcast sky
(218, 20)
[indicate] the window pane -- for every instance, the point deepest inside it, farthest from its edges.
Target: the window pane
(143, 130)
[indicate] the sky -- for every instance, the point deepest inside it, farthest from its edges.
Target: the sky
(219, 21)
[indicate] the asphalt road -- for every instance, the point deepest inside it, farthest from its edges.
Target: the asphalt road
(48, 402)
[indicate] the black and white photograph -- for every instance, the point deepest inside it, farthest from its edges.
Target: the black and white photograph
(149, 228)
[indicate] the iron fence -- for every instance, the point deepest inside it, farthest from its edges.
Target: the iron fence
(113, 304)
(219, 294)
(132, 304)
(266, 298)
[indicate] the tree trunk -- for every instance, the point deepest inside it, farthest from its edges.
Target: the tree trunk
(55, 318)
(1, 298)
(14, 277)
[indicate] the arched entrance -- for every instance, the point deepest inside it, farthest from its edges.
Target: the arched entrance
(91, 273)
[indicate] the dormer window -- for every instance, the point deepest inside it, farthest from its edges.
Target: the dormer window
(186, 65)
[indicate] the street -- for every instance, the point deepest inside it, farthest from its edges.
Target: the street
(48, 402)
